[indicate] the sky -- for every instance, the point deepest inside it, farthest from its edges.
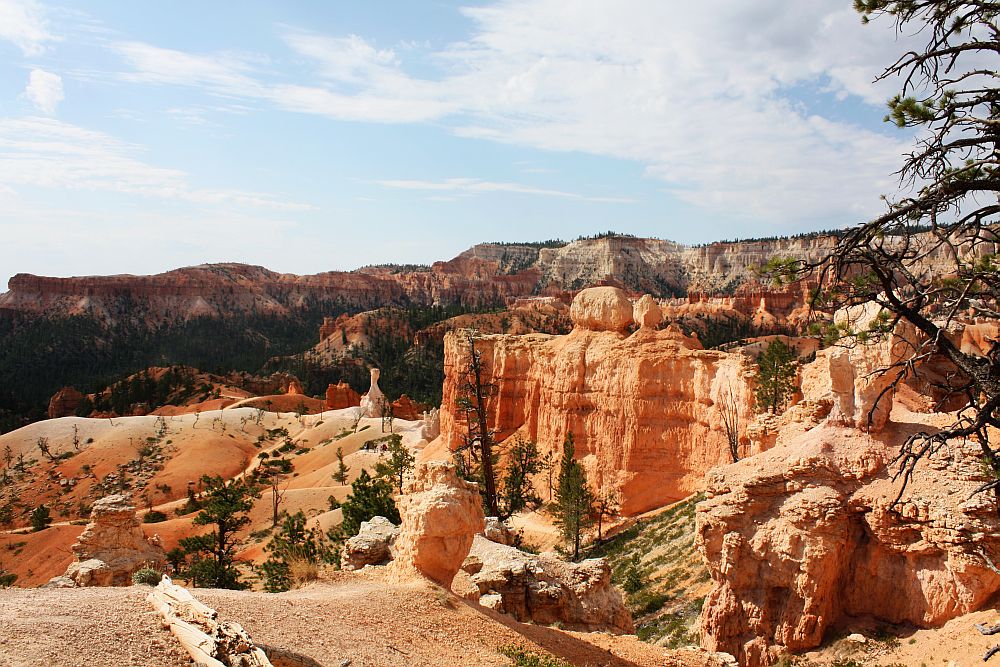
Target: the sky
(137, 137)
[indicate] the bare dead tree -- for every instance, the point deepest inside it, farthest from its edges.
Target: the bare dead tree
(474, 392)
(732, 423)
(43, 447)
(948, 214)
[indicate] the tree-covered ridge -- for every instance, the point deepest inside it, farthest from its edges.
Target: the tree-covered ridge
(39, 355)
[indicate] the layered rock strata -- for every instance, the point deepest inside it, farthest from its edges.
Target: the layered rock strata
(643, 408)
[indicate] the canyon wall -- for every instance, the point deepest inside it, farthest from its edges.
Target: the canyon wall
(483, 275)
(643, 408)
(220, 290)
(807, 536)
(804, 538)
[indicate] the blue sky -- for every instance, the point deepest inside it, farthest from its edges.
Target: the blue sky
(139, 137)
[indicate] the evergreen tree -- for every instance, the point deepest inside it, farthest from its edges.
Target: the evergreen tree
(224, 505)
(574, 500)
(41, 518)
(776, 376)
(340, 476)
(400, 462)
(517, 491)
(368, 498)
(293, 543)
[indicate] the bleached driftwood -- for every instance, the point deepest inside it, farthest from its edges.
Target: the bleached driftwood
(209, 642)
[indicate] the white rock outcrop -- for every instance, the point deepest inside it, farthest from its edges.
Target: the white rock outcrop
(112, 547)
(440, 515)
(543, 589)
(373, 403)
(371, 546)
(601, 309)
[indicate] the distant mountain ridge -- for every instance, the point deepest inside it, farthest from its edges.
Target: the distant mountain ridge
(483, 275)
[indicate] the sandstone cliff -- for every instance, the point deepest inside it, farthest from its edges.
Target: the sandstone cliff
(643, 408)
(803, 538)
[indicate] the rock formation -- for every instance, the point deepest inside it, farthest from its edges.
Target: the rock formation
(643, 409)
(543, 589)
(647, 313)
(430, 426)
(371, 546)
(373, 403)
(295, 388)
(601, 309)
(112, 547)
(440, 515)
(406, 408)
(64, 403)
(804, 537)
(340, 396)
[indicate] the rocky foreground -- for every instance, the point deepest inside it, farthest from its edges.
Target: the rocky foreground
(361, 617)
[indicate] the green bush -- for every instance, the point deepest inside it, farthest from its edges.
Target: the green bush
(524, 658)
(146, 576)
(40, 518)
(154, 516)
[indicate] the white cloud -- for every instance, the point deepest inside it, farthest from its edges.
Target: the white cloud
(45, 90)
(22, 22)
(477, 186)
(709, 101)
(48, 153)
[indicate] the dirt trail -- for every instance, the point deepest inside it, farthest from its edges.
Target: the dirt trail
(356, 616)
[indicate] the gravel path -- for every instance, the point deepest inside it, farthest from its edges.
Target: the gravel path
(356, 616)
(84, 627)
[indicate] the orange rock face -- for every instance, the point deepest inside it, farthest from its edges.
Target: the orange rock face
(803, 536)
(406, 408)
(643, 409)
(340, 396)
(440, 516)
(64, 403)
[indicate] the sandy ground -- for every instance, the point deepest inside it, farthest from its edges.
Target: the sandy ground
(357, 616)
(220, 442)
(86, 627)
(956, 644)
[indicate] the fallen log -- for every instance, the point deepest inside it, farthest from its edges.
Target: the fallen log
(209, 642)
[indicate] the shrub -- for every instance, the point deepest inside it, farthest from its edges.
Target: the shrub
(154, 516)
(146, 576)
(302, 571)
(524, 658)
(40, 518)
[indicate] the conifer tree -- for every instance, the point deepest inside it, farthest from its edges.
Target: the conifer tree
(340, 476)
(574, 500)
(294, 543)
(369, 498)
(400, 462)
(224, 505)
(776, 376)
(517, 491)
